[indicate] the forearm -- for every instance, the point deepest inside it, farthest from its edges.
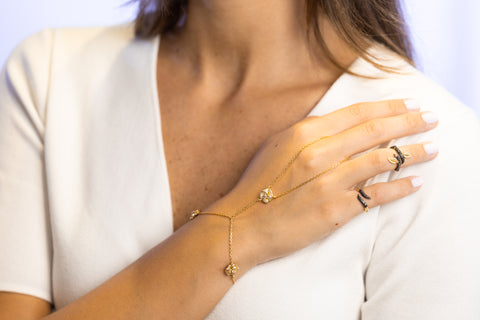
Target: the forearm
(181, 278)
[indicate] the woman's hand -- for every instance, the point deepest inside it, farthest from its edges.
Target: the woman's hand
(164, 282)
(289, 223)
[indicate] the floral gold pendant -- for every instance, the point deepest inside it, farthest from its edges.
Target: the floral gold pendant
(266, 195)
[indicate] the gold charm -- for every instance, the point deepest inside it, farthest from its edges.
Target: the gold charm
(231, 269)
(395, 161)
(194, 214)
(266, 195)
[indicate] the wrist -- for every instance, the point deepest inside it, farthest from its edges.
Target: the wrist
(244, 247)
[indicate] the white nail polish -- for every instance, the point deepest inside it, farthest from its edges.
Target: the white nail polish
(429, 117)
(417, 181)
(430, 148)
(411, 104)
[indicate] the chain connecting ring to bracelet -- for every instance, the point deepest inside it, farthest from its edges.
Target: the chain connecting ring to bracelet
(265, 196)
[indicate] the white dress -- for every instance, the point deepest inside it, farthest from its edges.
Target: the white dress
(84, 191)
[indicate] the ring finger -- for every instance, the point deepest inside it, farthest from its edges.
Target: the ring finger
(381, 160)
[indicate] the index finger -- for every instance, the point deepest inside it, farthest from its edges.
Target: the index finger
(353, 115)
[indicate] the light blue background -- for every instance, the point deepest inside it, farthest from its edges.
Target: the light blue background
(445, 33)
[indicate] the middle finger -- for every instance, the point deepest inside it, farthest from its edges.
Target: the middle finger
(375, 132)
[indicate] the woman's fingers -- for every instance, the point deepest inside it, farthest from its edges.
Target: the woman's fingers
(377, 131)
(351, 116)
(383, 192)
(381, 160)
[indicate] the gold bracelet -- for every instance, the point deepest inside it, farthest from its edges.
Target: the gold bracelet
(266, 196)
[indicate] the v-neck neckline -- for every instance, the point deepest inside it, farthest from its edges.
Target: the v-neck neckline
(153, 65)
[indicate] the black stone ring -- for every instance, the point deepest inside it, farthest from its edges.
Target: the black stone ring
(400, 154)
(364, 194)
(362, 201)
(399, 158)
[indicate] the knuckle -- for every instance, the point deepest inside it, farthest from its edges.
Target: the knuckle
(394, 106)
(310, 159)
(377, 158)
(301, 131)
(357, 111)
(405, 188)
(418, 153)
(307, 121)
(373, 128)
(411, 121)
(322, 185)
(377, 196)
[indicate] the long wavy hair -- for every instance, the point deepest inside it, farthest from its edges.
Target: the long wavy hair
(358, 23)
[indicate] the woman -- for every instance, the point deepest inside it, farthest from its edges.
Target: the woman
(94, 226)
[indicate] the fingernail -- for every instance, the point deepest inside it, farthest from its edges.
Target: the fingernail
(430, 148)
(429, 117)
(417, 181)
(411, 104)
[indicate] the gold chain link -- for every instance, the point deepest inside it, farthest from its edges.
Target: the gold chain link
(311, 179)
(295, 158)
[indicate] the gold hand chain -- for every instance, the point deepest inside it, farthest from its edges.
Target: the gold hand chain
(265, 196)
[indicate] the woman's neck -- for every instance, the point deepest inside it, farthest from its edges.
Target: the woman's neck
(246, 27)
(247, 43)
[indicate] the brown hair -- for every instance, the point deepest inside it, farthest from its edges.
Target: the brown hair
(358, 22)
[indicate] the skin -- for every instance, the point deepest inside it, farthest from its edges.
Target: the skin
(235, 75)
(226, 74)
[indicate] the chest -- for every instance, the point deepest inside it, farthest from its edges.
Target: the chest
(208, 147)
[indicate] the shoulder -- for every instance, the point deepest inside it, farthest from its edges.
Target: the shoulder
(458, 122)
(409, 82)
(38, 48)
(68, 39)
(76, 55)
(454, 171)
(89, 46)
(459, 126)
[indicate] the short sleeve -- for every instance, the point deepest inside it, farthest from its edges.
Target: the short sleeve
(425, 262)
(25, 239)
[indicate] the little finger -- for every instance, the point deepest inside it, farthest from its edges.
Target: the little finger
(383, 192)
